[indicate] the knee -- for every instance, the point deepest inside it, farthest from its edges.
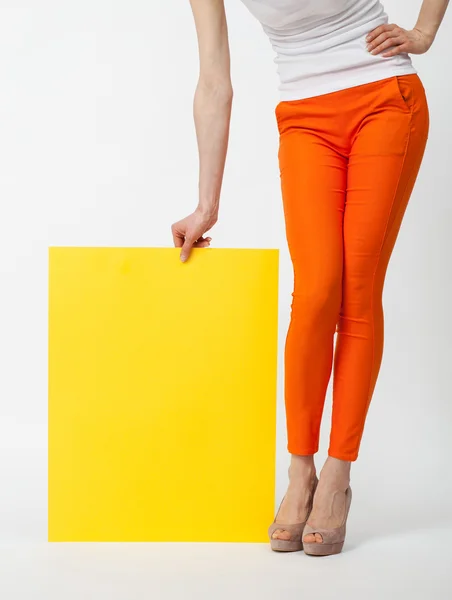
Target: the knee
(361, 299)
(361, 309)
(317, 304)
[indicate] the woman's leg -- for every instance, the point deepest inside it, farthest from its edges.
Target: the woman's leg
(385, 156)
(313, 180)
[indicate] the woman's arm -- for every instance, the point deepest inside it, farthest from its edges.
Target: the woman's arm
(212, 112)
(431, 16)
(213, 99)
(415, 41)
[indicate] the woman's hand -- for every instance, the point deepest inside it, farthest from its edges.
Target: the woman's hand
(398, 39)
(188, 233)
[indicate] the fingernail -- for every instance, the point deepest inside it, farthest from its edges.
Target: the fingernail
(183, 258)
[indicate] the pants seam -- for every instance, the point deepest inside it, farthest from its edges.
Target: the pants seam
(378, 261)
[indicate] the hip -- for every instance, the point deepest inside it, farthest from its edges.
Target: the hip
(399, 97)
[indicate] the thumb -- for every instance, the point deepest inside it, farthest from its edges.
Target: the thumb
(186, 248)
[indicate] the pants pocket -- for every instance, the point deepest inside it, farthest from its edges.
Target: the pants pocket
(405, 89)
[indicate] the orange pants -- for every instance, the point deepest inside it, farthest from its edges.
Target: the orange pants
(348, 162)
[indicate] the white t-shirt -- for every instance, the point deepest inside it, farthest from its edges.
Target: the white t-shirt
(320, 45)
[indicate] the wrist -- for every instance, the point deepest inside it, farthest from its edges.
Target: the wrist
(428, 33)
(209, 211)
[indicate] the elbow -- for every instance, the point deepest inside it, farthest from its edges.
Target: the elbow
(219, 89)
(227, 95)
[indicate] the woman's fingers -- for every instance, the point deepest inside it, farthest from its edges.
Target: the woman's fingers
(384, 40)
(388, 43)
(403, 47)
(178, 236)
(381, 29)
(190, 242)
(397, 39)
(189, 233)
(413, 41)
(187, 246)
(202, 242)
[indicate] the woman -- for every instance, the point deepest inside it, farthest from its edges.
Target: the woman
(353, 121)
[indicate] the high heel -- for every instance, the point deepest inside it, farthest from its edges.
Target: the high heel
(333, 539)
(295, 529)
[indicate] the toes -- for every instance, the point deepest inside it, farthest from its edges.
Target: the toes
(281, 534)
(313, 538)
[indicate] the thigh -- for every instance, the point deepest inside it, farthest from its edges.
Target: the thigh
(383, 165)
(313, 181)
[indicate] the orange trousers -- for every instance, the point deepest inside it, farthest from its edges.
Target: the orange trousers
(348, 163)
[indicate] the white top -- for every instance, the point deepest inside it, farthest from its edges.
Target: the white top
(320, 44)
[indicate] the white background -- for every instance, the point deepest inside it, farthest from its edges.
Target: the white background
(97, 147)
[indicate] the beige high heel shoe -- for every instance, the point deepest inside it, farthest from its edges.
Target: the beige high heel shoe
(333, 539)
(295, 529)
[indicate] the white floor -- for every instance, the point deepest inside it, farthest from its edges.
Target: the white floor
(407, 565)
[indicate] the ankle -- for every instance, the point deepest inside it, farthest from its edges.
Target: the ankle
(302, 467)
(336, 470)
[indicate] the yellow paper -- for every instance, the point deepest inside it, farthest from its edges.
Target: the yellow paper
(162, 394)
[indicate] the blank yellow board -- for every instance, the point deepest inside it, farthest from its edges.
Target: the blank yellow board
(162, 394)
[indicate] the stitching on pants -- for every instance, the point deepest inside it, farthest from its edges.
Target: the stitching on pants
(378, 261)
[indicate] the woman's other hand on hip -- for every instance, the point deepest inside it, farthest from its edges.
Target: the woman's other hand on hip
(414, 41)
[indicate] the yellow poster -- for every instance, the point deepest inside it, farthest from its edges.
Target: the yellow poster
(162, 394)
